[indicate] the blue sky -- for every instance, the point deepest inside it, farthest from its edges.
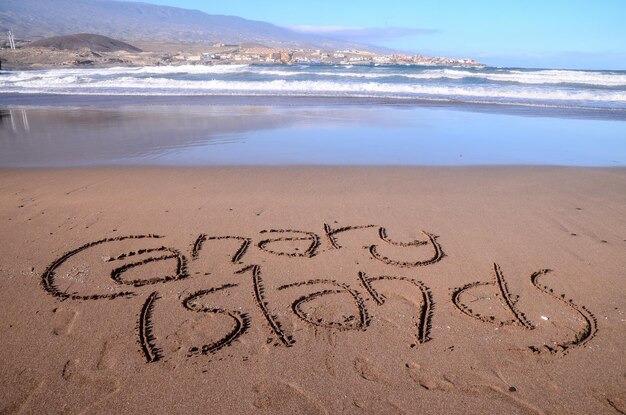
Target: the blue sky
(587, 34)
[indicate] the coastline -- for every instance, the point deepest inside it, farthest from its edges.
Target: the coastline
(38, 100)
(51, 131)
(526, 219)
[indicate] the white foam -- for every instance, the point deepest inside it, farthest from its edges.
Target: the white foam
(116, 71)
(531, 77)
(591, 78)
(539, 77)
(516, 86)
(555, 77)
(150, 85)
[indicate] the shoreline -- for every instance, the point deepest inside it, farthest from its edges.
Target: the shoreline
(306, 167)
(246, 132)
(30, 100)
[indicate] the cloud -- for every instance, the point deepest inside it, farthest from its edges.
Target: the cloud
(361, 33)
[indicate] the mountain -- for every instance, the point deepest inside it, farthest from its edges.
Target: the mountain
(96, 43)
(35, 19)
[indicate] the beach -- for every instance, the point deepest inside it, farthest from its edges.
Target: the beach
(319, 252)
(313, 289)
(312, 208)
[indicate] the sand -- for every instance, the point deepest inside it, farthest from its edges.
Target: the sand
(313, 290)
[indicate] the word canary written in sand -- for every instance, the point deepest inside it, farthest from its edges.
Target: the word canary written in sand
(126, 267)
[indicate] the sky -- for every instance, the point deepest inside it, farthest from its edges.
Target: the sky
(575, 34)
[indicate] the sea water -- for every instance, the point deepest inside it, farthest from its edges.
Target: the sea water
(487, 85)
(317, 115)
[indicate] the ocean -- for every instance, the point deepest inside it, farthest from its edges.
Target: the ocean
(578, 89)
(312, 115)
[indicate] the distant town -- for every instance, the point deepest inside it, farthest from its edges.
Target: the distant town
(259, 55)
(96, 50)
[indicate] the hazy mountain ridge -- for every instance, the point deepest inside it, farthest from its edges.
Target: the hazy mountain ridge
(33, 19)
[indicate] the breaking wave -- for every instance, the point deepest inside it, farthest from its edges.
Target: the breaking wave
(500, 85)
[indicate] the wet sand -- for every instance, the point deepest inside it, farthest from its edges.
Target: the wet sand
(253, 134)
(313, 290)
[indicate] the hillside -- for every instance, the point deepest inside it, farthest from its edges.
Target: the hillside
(96, 43)
(36, 19)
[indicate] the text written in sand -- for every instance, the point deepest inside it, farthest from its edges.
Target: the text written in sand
(135, 265)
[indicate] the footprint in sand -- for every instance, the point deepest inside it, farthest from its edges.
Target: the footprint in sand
(481, 385)
(282, 397)
(74, 371)
(427, 380)
(109, 354)
(366, 369)
(83, 381)
(63, 320)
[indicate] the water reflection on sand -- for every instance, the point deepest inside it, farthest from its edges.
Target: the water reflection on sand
(85, 136)
(266, 135)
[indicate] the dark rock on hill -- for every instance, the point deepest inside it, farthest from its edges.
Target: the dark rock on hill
(96, 43)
